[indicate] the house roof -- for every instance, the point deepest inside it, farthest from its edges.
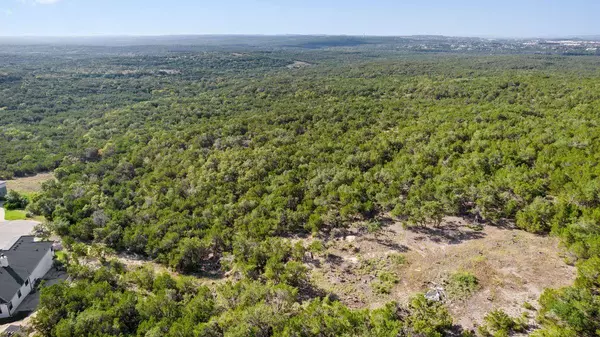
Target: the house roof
(23, 256)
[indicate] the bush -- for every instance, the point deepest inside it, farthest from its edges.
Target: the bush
(426, 318)
(500, 324)
(536, 217)
(570, 311)
(14, 200)
(397, 259)
(461, 285)
(384, 283)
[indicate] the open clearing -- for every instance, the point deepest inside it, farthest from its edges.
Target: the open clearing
(298, 64)
(512, 267)
(28, 185)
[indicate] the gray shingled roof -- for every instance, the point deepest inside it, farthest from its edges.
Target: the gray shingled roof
(23, 257)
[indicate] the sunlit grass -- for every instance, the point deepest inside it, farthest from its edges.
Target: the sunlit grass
(15, 215)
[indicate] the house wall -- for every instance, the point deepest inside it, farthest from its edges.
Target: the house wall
(42, 267)
(4, 309)
(40, 271)
(3, 190)
(16, 300)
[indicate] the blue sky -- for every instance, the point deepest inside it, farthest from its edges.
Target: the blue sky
(498, 18)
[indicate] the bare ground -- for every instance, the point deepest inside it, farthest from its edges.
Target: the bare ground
(512, 266)
(298, 64)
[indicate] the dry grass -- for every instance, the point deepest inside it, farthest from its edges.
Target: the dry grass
(29, 185)
(512, 267)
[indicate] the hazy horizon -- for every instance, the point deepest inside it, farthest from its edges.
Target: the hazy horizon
(160, 36)
(461, 18)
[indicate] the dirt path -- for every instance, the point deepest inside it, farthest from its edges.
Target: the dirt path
(1, 211)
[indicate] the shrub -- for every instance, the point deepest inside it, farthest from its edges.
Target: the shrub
(461, 285)
(397, 259)
(14, 200)
(569, 311)
(536, 217)
(427, 318)
(499, 324)
(384, 283)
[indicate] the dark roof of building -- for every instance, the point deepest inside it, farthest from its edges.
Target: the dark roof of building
(23, 257)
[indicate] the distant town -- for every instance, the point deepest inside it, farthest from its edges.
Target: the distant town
(540, 46)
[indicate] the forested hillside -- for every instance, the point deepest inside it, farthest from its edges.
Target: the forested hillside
(210, 163)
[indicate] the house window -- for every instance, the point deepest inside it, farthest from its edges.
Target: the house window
(19, 294)
(0, 309)
(27, 282)
(10, 306)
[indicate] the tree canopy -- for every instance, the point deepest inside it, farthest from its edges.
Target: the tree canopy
(205, 161)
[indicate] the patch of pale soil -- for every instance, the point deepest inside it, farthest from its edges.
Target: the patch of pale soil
(169, 71)
(134, 261)
(512, 266)
(298, 64)
(29, 184)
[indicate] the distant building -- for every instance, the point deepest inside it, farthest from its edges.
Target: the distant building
(25, 262)
(3, 189)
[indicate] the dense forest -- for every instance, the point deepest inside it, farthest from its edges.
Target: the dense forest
(209, 162)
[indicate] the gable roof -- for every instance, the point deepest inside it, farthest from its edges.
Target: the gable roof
(23, 257)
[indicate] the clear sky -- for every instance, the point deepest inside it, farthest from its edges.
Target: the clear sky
(498, 18)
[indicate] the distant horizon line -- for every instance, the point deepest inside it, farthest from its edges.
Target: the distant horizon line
(92, 36)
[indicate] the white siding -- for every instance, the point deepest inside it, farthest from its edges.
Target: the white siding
(16, 300)
(4, 310)
(42, 267)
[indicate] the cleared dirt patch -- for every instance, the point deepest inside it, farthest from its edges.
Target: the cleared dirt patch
(31, 184)
(298, 64)
(511, 266)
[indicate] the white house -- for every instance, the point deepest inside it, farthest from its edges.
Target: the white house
(25, 262)
(3, 189)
